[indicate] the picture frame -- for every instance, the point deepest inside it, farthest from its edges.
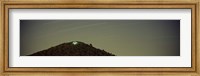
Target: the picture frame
(110, 71)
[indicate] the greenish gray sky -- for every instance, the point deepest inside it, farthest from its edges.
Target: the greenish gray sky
(120, 37)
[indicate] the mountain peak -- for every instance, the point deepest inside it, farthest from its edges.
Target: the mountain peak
(74, 48)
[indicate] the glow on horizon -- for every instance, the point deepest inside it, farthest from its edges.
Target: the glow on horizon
(75, 42)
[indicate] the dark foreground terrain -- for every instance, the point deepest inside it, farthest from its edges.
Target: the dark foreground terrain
(75, 48)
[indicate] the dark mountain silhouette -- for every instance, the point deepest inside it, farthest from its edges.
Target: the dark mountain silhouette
(75, 48)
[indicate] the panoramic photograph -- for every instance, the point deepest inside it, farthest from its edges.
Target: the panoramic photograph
(99, 37)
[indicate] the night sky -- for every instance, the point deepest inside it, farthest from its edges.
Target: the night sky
(120, 37)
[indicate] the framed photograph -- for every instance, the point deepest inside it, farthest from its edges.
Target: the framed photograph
(100, 38)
